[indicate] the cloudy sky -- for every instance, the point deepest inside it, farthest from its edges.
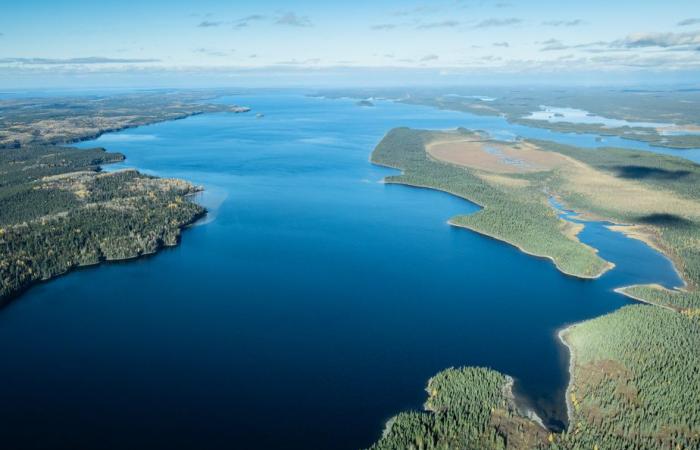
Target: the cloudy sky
(277, 40)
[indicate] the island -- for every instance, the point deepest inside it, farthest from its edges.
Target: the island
(637, 365)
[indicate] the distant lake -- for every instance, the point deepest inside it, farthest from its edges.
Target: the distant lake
(312, 305)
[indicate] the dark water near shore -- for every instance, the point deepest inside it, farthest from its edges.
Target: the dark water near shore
(314, 304)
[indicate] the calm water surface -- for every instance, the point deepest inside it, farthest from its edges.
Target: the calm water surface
(314, 304)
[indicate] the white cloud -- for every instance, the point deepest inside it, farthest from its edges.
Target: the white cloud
(489, 23)
(637, 40)
(74, 61)
(688, 22)
(294, 20)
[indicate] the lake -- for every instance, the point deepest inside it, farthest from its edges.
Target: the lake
(311, 305)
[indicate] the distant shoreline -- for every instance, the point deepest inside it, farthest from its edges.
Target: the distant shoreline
(561, 334)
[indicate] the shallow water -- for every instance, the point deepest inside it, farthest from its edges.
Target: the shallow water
(573, 115)
(314, 304)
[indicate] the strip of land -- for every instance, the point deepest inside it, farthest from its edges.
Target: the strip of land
(64, 120)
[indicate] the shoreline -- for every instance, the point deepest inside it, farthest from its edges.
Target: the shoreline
(15, 296)
(196, 189)
(608, 266)
(622, 291)
(521, 409)
(632, 232)
(234, 109)
(561, 334)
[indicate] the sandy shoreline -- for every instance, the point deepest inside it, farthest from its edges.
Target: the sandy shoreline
(561, 334)
(622, 291)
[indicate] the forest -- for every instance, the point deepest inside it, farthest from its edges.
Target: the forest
(518, 215)
(469, 407)
(59, 211)
(635, 370)
(62, 120)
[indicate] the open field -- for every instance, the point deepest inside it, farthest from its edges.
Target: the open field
(492, 156)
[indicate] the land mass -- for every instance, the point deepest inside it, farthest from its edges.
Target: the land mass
(64, 120)
(59, 211)
(633, 371)
(675, 108)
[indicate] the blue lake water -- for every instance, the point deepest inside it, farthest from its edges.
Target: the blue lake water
(312, 305)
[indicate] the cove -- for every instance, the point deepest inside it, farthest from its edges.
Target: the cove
(314, 304)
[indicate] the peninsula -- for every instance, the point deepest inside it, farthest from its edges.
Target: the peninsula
(58, 211)
(628, 367)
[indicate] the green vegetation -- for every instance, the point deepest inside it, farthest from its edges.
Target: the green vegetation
(635, 371)
(25, 122)
(687, 302)
(621, 396)
(676, 232)
(669, 106)
(57, 212)
(518, 215)
(468, 408)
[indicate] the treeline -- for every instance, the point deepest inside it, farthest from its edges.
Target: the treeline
(62, 213)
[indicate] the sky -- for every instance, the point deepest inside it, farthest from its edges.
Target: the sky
(270, 42)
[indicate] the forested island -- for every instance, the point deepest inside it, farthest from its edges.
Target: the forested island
(59, 211)
(633, 371)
